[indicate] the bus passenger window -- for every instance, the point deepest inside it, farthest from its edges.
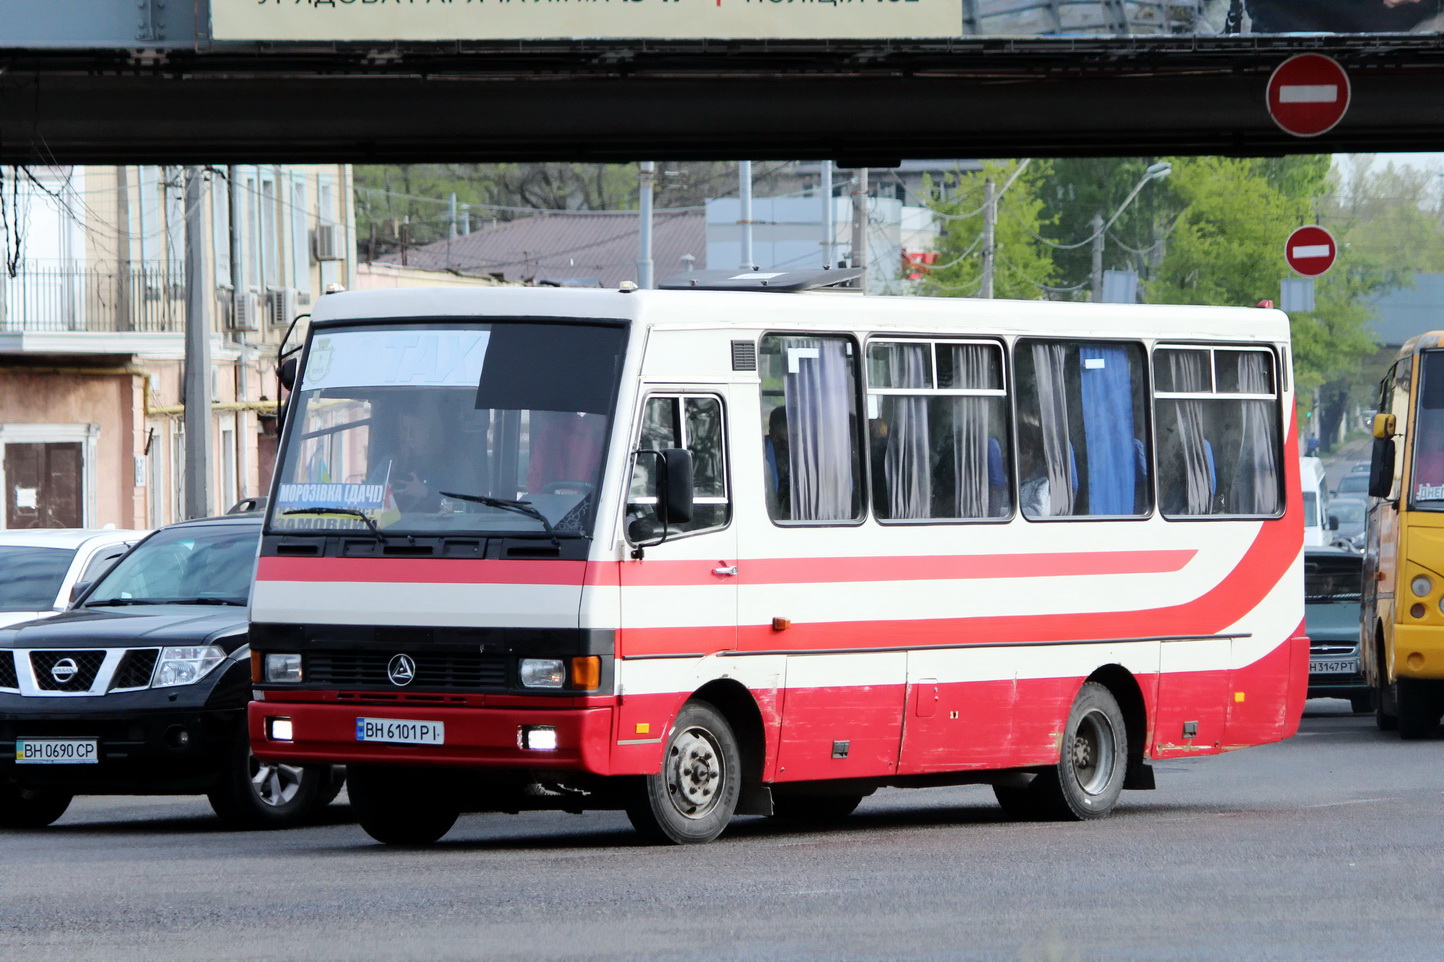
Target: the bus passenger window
(694, 423)
(813, 464)
(937, 414)
(1217, 417)
(1082, 447)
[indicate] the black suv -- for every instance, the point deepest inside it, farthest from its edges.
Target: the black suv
(141, 689)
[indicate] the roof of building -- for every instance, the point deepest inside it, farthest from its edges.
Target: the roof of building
(572, 248)
(1410, 311)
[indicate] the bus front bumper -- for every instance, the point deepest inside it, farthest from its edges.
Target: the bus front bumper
(514, 738)
(1418, 651)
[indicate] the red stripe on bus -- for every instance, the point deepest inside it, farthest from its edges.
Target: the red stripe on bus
(423, 571)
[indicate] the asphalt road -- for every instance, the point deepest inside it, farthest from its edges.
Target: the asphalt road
(1323, 847)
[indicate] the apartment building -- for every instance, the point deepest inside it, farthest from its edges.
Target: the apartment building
(93, 304)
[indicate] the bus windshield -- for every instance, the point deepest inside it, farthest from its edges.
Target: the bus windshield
(1427, 482)
(426, 428)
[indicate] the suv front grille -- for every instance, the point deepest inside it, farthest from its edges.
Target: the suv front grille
(135, 668)
(447, 670)
(86, 664)
(7, 670)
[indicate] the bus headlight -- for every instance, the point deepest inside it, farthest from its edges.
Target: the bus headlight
(283, 669)
(1421, 586)
(543, 673)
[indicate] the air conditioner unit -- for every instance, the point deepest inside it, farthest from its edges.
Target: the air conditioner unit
(328, 242)
(245, 311)
(280, 307)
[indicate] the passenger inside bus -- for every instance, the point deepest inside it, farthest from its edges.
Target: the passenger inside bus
(776, 454)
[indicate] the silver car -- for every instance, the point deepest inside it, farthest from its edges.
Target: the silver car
(41, 567)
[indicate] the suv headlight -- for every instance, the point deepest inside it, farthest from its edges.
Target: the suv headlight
(181, 666)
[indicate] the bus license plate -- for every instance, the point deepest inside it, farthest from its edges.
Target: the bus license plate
(1335, 666)
(57, 751)
(400, 731)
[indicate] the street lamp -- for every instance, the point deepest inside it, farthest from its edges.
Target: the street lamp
(1154, 172)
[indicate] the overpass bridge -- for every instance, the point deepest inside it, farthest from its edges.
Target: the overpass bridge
(100, 81)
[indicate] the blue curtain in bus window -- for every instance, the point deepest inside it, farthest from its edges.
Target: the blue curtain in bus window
(818, 390)
(1107, 394)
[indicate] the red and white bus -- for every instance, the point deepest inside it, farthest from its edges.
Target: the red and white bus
(697, 553)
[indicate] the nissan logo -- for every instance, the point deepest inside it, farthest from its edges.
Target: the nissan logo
(401, 670)
(64, 670)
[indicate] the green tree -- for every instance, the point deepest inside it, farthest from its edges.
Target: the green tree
(1023, 266)
(1079, 189)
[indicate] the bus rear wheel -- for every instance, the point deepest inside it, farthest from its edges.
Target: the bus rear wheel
(693, 797)
(400, 806)
(1086, 782)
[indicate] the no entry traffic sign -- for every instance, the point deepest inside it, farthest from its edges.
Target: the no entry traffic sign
(1308, 94)
(1310, 251)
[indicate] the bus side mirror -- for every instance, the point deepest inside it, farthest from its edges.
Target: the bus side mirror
(286, 373)
(676, 485)
(1381, 465)
(1384, 426)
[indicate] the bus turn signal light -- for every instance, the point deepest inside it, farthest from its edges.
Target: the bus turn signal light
(587, 672)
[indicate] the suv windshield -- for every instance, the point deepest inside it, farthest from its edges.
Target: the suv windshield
(32, 577)
(197, 565)
(427, 429)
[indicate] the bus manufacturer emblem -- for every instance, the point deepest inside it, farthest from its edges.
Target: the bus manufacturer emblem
(401, 670)
(64, 670)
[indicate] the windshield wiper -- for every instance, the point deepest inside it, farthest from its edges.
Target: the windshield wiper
(352, 512)
(117, 602)
(205, 601)
(520, 507)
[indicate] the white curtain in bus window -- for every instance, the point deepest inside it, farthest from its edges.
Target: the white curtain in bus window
(810, 447)
(1186, 464)
(936, 420)
(1049, 463)
(1217, 413)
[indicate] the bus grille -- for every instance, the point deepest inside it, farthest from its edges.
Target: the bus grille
(446, 670)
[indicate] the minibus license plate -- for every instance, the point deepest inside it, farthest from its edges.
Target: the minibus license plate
(405, 732)
(57, 751)
(1334, 666)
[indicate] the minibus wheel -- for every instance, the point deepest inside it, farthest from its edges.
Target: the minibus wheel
(30, 808)
(1086, 782)
(400, 806)
(694, 795)
(1417, 704)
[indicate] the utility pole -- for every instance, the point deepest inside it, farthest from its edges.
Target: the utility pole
(744, 194)
(828, 230)
(990, 219)
(198, 502)
(859, 224)
(451, 216)
(123, 320)
(1097, 274)
(646, 180)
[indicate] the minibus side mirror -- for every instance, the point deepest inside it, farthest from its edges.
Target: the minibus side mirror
(676, 485)
(1384, 426)
(286, 373)
(672, 488)
(1381, 467)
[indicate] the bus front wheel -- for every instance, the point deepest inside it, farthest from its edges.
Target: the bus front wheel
(1417, 705)
(400, 806)
(694, 795)
(1086, 782)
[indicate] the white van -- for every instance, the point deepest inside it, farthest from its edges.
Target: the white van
(1316, 503)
